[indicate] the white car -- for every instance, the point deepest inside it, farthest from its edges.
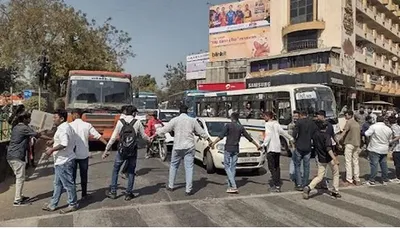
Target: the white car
(250, 158)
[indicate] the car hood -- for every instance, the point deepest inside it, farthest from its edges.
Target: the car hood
(244, 144)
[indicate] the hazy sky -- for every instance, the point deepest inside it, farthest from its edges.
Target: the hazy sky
(163, 31)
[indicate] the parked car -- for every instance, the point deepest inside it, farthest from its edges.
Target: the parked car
(250, 158)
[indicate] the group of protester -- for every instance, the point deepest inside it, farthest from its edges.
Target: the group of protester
(69, 148)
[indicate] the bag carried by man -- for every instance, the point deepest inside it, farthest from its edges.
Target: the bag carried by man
(128, 140)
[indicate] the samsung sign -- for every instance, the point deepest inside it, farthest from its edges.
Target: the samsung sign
(196, 66)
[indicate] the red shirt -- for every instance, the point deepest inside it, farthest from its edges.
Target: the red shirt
(150, 127)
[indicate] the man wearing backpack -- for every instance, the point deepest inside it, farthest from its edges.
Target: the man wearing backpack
(129, 129)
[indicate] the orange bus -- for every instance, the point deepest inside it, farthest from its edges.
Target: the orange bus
(101, 94)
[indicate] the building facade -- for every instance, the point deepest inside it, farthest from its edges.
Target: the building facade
(351, 45)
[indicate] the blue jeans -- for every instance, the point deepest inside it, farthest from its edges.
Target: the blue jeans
(292, 172)
(299, 157)
(83, 165)
(376, 159)
(230, 160)
(188, 158)
(131, 165)
(64, 179)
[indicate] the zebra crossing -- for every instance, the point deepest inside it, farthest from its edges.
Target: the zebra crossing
(377, 206)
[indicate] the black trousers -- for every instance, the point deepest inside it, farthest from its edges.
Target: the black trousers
(396, 159)
(273, 159)
(83, 173)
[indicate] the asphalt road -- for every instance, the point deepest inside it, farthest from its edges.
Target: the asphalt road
(209, 206)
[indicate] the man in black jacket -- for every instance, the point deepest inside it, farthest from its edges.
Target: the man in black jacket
(303, 133)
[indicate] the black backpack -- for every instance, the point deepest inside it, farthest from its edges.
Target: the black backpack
(127, 139)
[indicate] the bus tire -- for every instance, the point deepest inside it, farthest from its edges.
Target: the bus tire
(208, 161)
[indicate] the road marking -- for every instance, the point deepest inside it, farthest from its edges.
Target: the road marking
(159, 216)
(339, 213)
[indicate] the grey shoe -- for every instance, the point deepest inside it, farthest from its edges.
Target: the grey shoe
(69, 209)
(306, 192)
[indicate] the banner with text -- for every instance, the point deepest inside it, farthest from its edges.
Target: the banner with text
(196, 66)
(251, 43)
(239, 15)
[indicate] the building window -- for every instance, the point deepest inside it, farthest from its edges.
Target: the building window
(236, 75)
(301, 11)
(302, 40)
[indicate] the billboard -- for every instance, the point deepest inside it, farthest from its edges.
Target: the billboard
(251, 43)
(239, 15)
(196, 66)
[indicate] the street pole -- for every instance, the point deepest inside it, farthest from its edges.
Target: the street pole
(40, 97)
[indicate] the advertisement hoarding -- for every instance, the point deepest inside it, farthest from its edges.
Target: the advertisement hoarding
(239, 15)
(221, 86)
(251, 43)
(196, 66)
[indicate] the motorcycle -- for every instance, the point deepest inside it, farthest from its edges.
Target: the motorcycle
(158, 148)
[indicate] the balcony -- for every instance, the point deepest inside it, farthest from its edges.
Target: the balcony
(310, 25)
(303, 44)
(381, 21)
(377, 61)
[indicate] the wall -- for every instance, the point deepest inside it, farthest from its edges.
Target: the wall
(217, 72)
(279, 19)
(331, 13)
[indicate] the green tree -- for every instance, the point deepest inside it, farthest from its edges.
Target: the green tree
(176, 79)
(144, 83)
(72, 41)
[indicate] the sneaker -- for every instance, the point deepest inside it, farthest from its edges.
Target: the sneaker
(69, 209)
(48, 208)
(369, 183)
(147, 156)
(306, 192)
(189, 193)
(111, 195)
(275, 189)
(299, 188)
(396, 181)
(232, 191)
(169, 189)
(129, 196)
(20, 203)
(336, 195)
(357, 183)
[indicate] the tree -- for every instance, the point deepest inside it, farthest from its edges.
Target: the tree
(144, 83)
(176, 79)
(71, 40)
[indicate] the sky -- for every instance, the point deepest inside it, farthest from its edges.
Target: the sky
(163, 31)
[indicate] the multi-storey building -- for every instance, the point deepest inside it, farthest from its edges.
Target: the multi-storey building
(351, 45)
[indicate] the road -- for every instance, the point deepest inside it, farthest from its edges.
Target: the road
(209, 206)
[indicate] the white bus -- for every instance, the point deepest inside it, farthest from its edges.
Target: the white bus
(282, 100)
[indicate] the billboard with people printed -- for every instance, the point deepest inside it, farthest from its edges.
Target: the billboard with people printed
(239, 15)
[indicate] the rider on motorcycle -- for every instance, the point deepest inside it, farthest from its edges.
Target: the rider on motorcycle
(152, 123)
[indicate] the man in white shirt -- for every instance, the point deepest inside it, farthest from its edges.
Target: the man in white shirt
(380, 138)
(64, 163)
(83, 131)
(131, 160)
(272, 144)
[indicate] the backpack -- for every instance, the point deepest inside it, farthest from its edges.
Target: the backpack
(128, 140)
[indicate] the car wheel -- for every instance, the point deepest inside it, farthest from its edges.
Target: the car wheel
(209, 163)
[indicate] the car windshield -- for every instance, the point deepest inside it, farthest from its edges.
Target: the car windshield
(215, 128)
(167, 116)
(98, 93)
(315, 99)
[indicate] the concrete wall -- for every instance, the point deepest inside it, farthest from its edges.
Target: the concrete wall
(331, 13)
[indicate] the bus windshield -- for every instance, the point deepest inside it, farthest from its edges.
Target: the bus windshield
(102, 91)
(145, 103)
(313, 99)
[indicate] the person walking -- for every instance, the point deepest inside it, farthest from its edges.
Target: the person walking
(361, 116)
(233, 132)
(16, 153)
(129, 130)
(291, 127)
(380, 138)
(351, 139)
(323, 148)
(272, 144)
(184, 128)
(64, 163)
(302, 134)
(83, 131)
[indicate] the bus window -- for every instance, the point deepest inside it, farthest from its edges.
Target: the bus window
(246, 111)
(284, 114)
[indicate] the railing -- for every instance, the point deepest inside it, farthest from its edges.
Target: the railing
(303, 44)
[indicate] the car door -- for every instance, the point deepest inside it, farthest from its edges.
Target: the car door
(201, 144)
